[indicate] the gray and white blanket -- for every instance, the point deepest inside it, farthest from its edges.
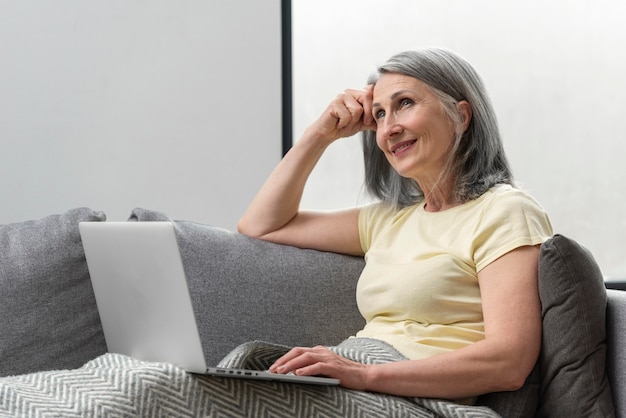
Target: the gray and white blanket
(118, 386)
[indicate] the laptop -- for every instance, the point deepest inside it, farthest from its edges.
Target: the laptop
(144, 302)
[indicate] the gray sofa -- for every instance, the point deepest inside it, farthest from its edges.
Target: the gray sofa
(244, 290)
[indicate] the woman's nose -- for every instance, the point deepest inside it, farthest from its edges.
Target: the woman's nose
(390, 127)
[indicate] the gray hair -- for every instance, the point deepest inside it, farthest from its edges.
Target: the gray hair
(477, 160)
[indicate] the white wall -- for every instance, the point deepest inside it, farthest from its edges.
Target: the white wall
(555, 70)
(168, 105)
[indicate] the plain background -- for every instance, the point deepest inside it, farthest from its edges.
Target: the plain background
(175, 106)
(554, 70)
(168, 105)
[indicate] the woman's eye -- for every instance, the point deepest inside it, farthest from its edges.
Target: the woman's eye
(379, 114)
(405, 102)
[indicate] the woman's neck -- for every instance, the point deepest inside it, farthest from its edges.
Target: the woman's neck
(439, 196)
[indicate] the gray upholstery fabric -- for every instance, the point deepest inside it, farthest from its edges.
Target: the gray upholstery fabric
(615, 336)
(573, 355)
(233, 281)
(48, 312)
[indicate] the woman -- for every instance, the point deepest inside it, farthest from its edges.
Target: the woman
(451, 249)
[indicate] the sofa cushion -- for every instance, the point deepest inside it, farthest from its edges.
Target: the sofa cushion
(573, 354)
(49, 316)
(281, 294)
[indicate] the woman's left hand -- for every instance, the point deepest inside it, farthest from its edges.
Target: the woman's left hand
(320, 361)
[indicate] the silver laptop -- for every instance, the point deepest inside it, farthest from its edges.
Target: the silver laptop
(143, 300)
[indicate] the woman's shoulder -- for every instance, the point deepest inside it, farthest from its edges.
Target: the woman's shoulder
(376, 218)
(504, 204)
(374, 213)
(377, 209)
(509, 196)
(383, 211)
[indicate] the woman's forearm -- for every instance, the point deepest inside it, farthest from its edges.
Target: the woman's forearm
(460, 374)
(278, 200)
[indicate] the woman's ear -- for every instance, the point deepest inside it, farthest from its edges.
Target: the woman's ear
(465, 111)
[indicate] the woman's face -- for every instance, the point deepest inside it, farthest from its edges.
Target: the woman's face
(412, 128)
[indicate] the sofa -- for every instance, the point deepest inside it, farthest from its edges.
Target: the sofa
(54, 359)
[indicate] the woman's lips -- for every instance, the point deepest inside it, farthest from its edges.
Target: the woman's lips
(402, 146)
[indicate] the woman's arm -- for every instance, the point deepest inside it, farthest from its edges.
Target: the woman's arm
(274, 213)
(500, 362)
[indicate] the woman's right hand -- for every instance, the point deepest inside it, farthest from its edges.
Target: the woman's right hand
(349, 113)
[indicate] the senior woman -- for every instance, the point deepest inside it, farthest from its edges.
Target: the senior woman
(451, 246)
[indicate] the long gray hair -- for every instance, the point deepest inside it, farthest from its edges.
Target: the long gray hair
(477, 159)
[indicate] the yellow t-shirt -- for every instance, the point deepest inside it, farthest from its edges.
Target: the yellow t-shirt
(419, 288)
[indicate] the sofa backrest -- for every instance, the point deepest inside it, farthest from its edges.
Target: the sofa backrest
(245, 289)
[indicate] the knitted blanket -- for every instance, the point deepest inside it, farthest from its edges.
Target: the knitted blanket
(118, 386)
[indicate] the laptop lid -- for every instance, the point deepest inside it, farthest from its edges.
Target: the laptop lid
(141, 292)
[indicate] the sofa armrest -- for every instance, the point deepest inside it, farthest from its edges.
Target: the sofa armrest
(617, 284)
(616, 343)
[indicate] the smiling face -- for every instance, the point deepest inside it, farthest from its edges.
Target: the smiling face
(412, 128)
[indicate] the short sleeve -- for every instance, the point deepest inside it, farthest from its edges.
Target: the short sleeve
(370, 218)
(512, 219)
